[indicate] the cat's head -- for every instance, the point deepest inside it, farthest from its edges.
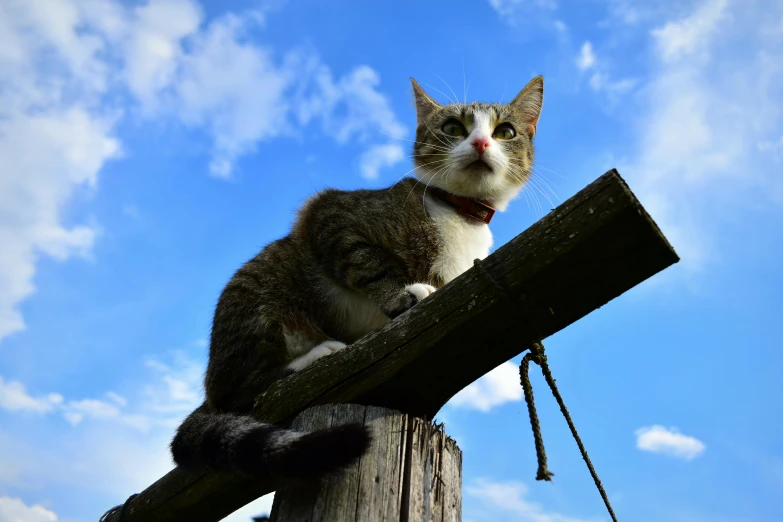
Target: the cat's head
(478, 150)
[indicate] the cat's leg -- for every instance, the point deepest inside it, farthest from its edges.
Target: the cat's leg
(325, 348)
(376, 273)
(355, 259)
(305, 343)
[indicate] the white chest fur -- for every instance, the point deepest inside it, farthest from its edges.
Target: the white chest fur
(462, 241)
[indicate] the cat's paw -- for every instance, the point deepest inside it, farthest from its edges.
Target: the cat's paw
(419, 290)
(322, 350)
(410, 295)
(333, 346)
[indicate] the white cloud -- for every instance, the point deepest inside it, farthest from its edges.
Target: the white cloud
(240, 92)
(107, 460)
(232, 88)
(52, 140)
(521, 13)
(63, 64)
(46, 158)
(76, 411)
(118, 399)
(658, 439)
(173, 391)
(773, 147)
(176, 388)
(14, 510)
(122, 450)
(691, 35)
(497, 387)
(634, 12)
(378, 157)
(501, 499)
(586, 59)
(153, 46)
(601, 82)
(704, 119)
(599, 79)
(624, 10)
(14, 397)
(509, 7)
(364, 108)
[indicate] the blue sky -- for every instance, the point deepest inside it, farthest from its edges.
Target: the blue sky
(149, 148)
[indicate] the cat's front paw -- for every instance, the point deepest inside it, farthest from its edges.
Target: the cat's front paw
(419, 290)
(333, 346)
(322, 350)
(410, 295)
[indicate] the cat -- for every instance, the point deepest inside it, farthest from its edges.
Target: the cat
(353, 261)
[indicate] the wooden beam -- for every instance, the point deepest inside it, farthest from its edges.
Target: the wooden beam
(589, 250)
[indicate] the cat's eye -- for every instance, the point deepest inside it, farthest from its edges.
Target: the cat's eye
(454, 129)
(504, 131)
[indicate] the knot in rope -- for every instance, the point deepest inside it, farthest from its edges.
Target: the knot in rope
(537, 354)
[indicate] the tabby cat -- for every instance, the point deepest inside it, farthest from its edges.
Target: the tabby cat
(353, 261)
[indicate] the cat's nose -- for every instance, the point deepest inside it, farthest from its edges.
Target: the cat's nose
(480, 144)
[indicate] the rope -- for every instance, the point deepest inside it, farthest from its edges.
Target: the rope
(543, 473)
(538, 356)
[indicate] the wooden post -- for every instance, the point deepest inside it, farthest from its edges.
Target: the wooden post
(412, 473)
(589, 250)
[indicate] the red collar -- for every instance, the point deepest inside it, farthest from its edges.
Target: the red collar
(468, 207)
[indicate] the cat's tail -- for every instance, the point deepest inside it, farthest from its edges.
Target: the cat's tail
(239, 443)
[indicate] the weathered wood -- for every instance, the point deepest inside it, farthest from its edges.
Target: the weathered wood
(412, 472)
(590, 249)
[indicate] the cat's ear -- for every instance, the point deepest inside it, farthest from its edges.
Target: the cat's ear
(528, 103)
(424, 104)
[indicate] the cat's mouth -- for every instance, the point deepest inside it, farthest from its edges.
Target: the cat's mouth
(479, 165)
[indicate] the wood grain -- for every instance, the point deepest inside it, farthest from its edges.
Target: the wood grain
(412, 473)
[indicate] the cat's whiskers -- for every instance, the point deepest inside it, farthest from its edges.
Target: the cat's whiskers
(464, 91)
(443, 93)
(447, 145)
(529, 186)
(432, 176)
(537, 210)
(525, 176)
(537, 167)
(550, 170)
(440, 172)
(540, 179)
(416, 167)
(436, 147)
(433, 154)
(456, 98)
(537, 184)
(527, 200)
